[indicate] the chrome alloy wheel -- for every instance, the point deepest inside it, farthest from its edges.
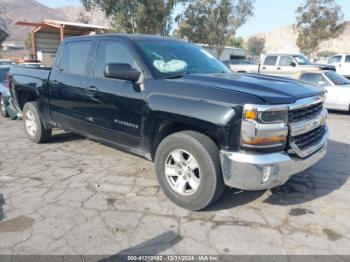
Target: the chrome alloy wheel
(182, 172)
(2, 105)
(30, 123)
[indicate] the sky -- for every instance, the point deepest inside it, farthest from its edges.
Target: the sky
(268, 14)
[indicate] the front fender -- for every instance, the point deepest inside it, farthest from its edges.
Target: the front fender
(217, 119)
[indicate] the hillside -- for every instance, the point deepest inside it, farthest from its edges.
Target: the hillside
(284, 40)
(79, 14)
(12, 11)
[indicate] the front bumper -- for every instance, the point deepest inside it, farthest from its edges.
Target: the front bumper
(248, 171)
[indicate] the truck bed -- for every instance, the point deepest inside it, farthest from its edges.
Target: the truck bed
(27, 81)
(37, 72)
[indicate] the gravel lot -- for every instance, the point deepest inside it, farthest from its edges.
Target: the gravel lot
(76, 196)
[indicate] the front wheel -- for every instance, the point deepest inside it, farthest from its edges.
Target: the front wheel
(3, 109)
(188, 170)
(33, 124)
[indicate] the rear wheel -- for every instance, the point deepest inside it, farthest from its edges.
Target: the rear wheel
(33, 124)
(3, 109)
(188, 170)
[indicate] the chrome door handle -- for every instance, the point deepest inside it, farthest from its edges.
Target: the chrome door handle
(92, 89)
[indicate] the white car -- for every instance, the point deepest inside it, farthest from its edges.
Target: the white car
(337, 86)
(341, 63)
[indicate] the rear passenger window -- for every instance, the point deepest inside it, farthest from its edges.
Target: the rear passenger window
(347, 59)
(111, 51)
(75, 57)
(270, 60)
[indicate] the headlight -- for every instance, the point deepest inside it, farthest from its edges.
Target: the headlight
(264, 126)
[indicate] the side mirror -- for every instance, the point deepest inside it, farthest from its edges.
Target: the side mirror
(122, 71)
(293, 64)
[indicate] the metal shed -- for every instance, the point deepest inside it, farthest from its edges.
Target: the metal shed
(48, 34)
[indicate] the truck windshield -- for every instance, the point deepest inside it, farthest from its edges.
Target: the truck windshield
(337, 79)
(177, 58)
(301, 60)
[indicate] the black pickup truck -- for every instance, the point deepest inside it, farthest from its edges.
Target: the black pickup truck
(173, 103)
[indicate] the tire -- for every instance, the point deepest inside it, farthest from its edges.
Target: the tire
(3, 109)
(203, 150)
(33, 124)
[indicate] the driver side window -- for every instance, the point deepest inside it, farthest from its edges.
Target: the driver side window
(286, 61)
(111, 51)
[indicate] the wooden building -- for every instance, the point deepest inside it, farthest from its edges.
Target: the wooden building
(48, 34)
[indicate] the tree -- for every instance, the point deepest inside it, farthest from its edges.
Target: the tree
(83, 17)
(3, 23)
(317, 21)
(28, 42)
(3, 35)
(137, 16)
(213, 22)
(255, 46)
(233, 41)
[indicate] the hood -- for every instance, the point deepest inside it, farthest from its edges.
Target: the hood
(318, 66)
(273, 90)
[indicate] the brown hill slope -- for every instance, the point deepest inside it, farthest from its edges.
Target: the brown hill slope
(79, 14)
(283, 40)
(24, 10)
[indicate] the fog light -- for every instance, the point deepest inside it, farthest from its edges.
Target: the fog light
(267, 173)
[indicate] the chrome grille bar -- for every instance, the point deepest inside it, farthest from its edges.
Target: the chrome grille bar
(309, 124)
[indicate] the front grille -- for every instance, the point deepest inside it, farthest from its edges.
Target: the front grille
(308, 139)
(304, 113)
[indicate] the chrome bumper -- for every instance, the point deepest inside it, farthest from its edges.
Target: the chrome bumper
(263, 171)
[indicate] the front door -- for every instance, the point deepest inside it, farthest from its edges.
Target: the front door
(337, 62)
(286, 67)
(116, 106)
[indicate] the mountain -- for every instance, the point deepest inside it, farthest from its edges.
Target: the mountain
(12, 11)
(283, 40)
(79, 14)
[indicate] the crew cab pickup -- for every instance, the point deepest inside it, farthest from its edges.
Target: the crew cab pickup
(285, 65)
(174, 103)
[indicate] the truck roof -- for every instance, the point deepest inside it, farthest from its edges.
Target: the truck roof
(284, 54)
(132, 37)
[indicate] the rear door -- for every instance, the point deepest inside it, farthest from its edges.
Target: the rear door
(269, 66)
(68, 83)
(116, 106)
